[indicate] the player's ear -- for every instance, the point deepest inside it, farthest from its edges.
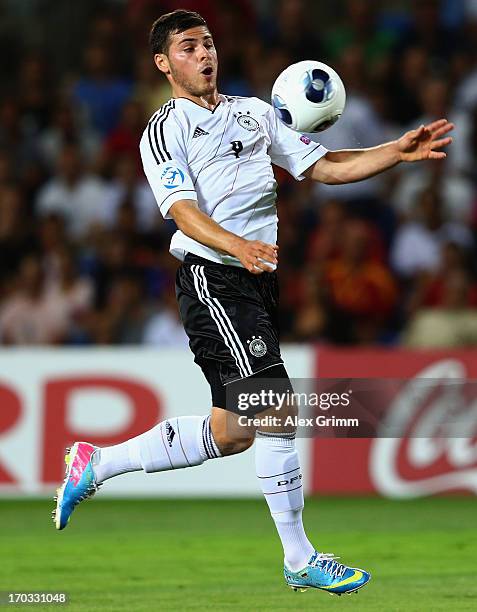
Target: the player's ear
(162, 62)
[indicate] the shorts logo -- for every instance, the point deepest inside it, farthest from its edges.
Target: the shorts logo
(172, 177)
(257, 346)
(305, 139)
(247, 122)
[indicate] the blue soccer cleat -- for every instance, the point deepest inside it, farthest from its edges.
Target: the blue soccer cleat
(79, 483)
(325, 573)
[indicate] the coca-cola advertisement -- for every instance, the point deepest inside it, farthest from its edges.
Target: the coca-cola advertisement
(432, 417)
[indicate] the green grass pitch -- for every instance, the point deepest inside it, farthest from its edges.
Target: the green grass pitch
(220, 555)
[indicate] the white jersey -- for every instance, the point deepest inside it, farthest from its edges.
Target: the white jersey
(223, 160)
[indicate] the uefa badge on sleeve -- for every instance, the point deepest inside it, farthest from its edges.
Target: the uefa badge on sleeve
(172, 177)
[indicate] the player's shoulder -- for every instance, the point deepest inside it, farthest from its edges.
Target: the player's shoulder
(164, 118)
(164, 114)
(162, 133)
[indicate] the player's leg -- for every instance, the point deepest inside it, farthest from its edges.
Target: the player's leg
(175, 443)
(279, 474)
(277, 461)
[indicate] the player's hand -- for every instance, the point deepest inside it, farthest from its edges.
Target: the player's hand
(421, 144)
(258, 257)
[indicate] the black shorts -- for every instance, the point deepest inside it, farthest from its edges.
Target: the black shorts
(231, 318)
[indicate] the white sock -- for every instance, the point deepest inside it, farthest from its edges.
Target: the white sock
(279, 473)
(172, 444)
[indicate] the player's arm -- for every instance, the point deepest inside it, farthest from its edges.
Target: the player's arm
(253, 254)
(349, 166)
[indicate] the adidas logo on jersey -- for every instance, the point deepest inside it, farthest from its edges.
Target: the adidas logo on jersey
(199, 132)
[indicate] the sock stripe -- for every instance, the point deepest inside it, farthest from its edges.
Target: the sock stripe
(287, 491)
(206, 441)
(278, 436)
(204, 438)
(180, 442)
(211, 440)
(207, 435)
(282, 474)
(214, 445)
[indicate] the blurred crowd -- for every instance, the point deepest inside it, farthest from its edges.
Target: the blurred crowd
(83, 248)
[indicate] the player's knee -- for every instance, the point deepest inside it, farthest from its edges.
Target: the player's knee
(232, 446)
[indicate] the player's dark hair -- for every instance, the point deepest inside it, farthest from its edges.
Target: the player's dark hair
(172, 23)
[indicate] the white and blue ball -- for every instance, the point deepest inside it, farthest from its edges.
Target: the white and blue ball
(309, 96)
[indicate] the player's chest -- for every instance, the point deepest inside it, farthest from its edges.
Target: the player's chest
(229, 136)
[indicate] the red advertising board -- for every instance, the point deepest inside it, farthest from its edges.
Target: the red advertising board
(411, 465)
(56, 431)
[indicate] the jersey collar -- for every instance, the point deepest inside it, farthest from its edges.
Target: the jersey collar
(221, 99)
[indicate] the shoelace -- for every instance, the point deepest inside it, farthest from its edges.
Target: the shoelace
(329, 564)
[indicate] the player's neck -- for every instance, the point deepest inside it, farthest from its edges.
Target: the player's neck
(209, 101)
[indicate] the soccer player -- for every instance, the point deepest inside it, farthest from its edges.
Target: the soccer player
(208, 158)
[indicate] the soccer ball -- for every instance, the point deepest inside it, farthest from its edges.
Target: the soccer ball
(309, 96)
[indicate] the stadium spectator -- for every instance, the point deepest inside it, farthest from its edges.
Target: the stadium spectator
(429, 289)
(68, 297)
(123, 318)
(427, 29)
(436, 97)
(325, 241)
(52, 241)
(25, 316)
(15, 234)
(150, 91)
(34, 91)
(455, 190)
(15, 136)
(311, 320)
(466, 90)
(6, 169)
(452, 325)
(65, 129)
(72, 193)
(360, 27)
(404, 83)
(113, 257)
(293, 31)
(164, 327)
(124, 139)
(100, 94)
(361, 288)
(260, 75)
(418, 243)
(127, 189)
(108, 29)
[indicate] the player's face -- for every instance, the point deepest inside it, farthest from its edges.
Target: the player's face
(192, 62)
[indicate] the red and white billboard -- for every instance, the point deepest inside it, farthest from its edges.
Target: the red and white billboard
(412, 465)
